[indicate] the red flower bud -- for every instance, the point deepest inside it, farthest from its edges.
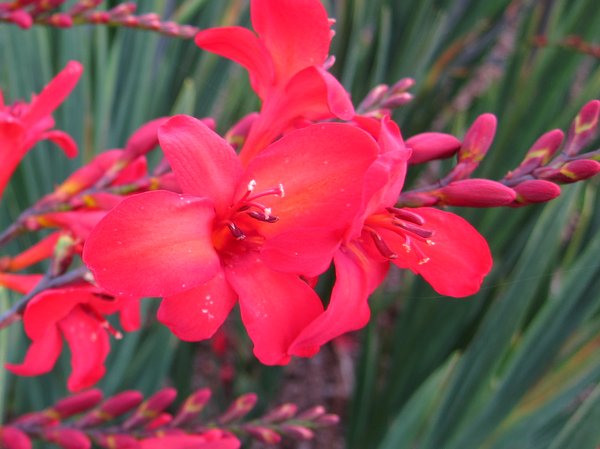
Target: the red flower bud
(312, 413)
(328, 420)
(240, 408)
(192, 406)
(67, 438)
(117, 441)
(143, 140)
(151, 408)
(535, 191)
(430, 146)
(476, 193)
(263, 434)
(13, 438)
(112, 408)
(297, 432)
(573, 171)
(478, 139)
(540, 153)
(77, 403)
(160, 421)
(281, 413)
(583, 127)
(60, 20)
(21, 18)
(417, 199)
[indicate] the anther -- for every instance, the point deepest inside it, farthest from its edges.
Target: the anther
(382, 246)
(236, 232)
(263, 217)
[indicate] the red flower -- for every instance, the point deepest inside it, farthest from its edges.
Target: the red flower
(287, 66)
(440, 246)
(77, 313)
(23, 125)
(235, 232)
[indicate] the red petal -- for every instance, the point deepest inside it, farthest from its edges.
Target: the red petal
(312, 94)
(459, 259)
(51, 306)
(203, 162)
(295, 32)
(196, 314)
(143, 139)
(348, 309)
(12, 150)
(41, 355)
(153, 244)
(89, 346)
(242, 46)
(63, 140)
(275, 307)
(54, 93)
(321, 168)
(21, 283)
(189, 442)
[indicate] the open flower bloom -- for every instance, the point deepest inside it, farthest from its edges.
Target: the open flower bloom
(23, 125)
(440, 246)
(287, 66)
(236, 233)
(77, 313)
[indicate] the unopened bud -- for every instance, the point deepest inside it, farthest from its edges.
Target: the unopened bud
(403, 85)
(430, 146)
(573, 171)
(144, 139)
(97, 16)
(263, 434)
(328, 420)
(21, 18)
(476, 193)
(161, 420)
(112, 408)
(476, 143)
(151, 408)
(13, 438)
(240, 408)
(117, 441)
(374, 97)
(535, 191)
(583, 128)
(192, 406)
(281, 413)
(77, 403)
(66, 438)
(123, 9)
(397, 100)
(297, 432)
(540, 153)
(60, 20)
(312, 413)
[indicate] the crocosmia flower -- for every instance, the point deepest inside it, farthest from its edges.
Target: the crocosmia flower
(286, 60)
(236, 233)
(76, 313)
(440, 246)
(22, 125)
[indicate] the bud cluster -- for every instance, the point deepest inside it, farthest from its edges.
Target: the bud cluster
(382, 99)
(551, 160)
(126, 420)
(26, 13)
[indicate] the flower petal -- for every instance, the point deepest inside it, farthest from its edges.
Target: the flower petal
(459, 259)
(54, 93)
(275, 307)
(203, 162)
(41, 355)
(196, 314)
(12, 150)
(242, 46)
(295, 32)
(153, 244)
(348, 309)
(89, 346)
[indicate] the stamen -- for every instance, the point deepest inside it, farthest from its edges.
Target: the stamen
(236, 232)
(251, 185)
(382, 246)
(102, 320)
(263, 217)
(425, 233)
(406, 215)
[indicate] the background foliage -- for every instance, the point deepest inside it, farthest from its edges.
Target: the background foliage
(514, 367)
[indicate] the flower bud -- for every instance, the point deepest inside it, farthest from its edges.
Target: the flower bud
(263, 434)
(429, 146)
(281, 413)
(327, 420)
(374, 97)
(476, 143)
(540, 153)
(144, 139)
(111, 408)
(77, 403)
(312, 413)
(21, 18)
(476, 193)
(573, 171)
(535, 191)
(117, 441)
(60, 20)
(240, 408)
(583, 128)
(151, 408)
(13, 438)
(297, 432)
(161, 420)
(192, 406)
(417, 199)
(66, 438)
